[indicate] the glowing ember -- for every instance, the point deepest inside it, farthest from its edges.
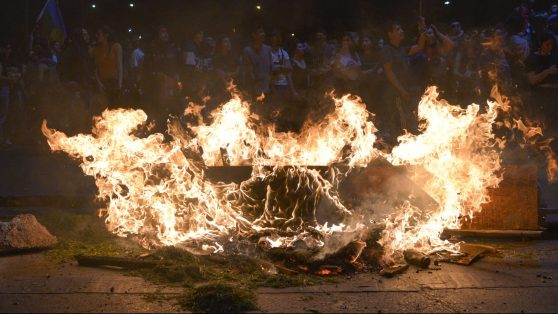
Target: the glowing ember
(157, 189)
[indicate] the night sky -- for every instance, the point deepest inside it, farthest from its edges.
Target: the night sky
(215, 16)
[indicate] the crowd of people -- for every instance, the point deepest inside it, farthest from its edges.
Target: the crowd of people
(284, 77)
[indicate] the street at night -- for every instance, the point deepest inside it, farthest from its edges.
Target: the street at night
(279, 156)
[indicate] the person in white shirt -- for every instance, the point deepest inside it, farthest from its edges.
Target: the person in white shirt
(282, 87)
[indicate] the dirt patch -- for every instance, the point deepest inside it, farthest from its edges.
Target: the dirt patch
(219, 298)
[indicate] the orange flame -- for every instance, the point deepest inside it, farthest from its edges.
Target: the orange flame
(455, 161)
(157, 190)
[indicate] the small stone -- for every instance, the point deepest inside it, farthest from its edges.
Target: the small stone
(111, 289)
(47, 276)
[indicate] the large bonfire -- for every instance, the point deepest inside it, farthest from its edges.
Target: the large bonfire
(157, 190)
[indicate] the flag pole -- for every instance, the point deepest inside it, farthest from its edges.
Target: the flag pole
(42, 12)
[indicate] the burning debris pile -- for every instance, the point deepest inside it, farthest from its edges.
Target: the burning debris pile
(324, 191)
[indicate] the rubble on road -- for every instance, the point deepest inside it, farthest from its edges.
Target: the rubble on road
(468, 254)
(23, 233)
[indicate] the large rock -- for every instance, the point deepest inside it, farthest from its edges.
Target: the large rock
(24, 232)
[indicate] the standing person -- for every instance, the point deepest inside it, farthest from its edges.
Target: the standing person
(320, 52)
(282, 86)
(77, 73)
(192, 65)
(226, 65)
(495, 66)
(371, 72)
(162, 65)
(318, 49)
(301, 83)
(402, 87)
(256, 64)
(542, 73)
(108, 65)
(346, 65)
(369, 56)
(76, 61)
(42, 55)
(283, 91)
(319, 56)
(192, 51)
(300, 72)
(467, 71)
(518, 40)
(208, 84)
(208, 53)
(433, 62)
(226, 62)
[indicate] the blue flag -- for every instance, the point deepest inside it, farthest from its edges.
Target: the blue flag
(51, 23)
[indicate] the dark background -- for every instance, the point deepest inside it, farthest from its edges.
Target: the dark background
(302, 17)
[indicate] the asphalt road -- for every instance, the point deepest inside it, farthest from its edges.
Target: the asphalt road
(522, 278)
